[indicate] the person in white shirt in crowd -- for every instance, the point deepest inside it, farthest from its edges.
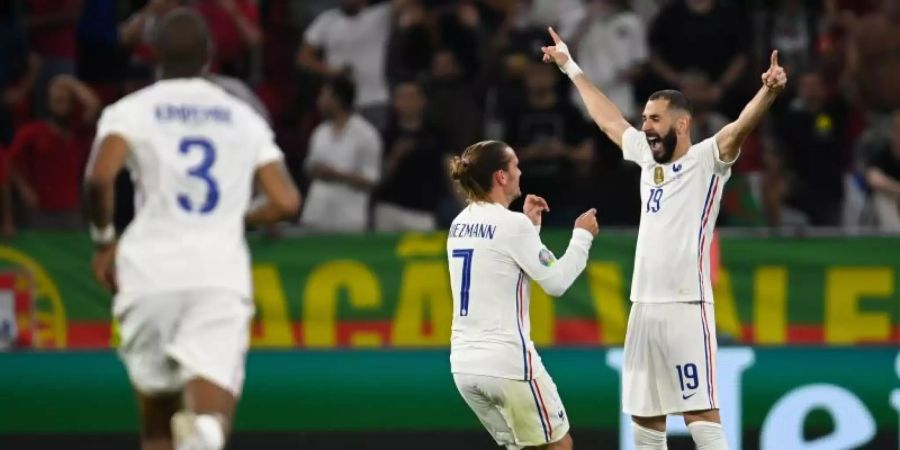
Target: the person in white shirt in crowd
(670, 343)
(344, 164)
(354, 40)
(493, 254)
(610, 42)
(181, 270)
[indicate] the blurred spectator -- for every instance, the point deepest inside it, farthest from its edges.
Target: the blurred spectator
(883, 177)
(610, 44)
(410, 46)
(343, 163)
(141, 27)
(704, 35)
(18, 71)
(415, 178)
(47, 156)
(705, 120)
(102, 62)
(550, 13)
(811, 138)
(354, 39)
(793, 29)
(234, 26)
(452, 103)
(51, 26)
(551, 139)
(873, 65)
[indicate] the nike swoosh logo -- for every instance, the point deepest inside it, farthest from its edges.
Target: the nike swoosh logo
(685, 397)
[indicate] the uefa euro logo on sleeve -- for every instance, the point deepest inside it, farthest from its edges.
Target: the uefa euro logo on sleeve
(546, 257)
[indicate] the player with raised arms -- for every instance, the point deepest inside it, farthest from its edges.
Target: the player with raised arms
(670, 344)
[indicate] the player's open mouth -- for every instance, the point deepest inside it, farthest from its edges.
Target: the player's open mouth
(655, 144)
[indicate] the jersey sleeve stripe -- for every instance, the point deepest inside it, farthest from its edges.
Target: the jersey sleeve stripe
(538, 405)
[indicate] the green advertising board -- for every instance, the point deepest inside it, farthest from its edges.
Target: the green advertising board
(377, 291)
(771, 398)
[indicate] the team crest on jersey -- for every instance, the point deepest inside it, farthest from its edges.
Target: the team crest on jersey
(658, 175)
(546, 257)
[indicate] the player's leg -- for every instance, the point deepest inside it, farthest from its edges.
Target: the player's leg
(649, 432)
(210, 347)
(155, 412)
(145, 326)
(482, 393)
(205, 420)
(691, 384)
(640, 391)
(706, 429)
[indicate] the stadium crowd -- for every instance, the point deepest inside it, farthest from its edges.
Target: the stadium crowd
(369, 99)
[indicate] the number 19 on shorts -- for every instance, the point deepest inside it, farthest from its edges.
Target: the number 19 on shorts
(687, 379)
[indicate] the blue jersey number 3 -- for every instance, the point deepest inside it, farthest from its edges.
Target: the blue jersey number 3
(200, 171)
(466, 255)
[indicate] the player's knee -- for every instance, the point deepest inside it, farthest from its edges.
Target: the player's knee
(648, 438)
(197, 431)
(708, 435)
(565, 443)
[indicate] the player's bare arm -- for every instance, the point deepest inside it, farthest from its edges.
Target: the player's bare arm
(280, 199)
(99, 186)
(604, 112)
(732, 136)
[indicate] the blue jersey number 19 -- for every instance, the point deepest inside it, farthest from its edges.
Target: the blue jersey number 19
(466, 255)
(200, 171)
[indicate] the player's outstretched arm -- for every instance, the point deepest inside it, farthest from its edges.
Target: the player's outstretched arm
(732, 136)
(604, 112)
(554, 276)
(280, 199)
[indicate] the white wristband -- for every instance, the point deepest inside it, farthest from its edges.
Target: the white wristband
(102, 236)
(571, 69)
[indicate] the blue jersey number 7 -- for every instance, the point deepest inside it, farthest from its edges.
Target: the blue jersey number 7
(466, 255)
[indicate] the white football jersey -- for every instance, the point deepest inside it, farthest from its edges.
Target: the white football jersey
(193, 153)
(679, 206)
(493, 253)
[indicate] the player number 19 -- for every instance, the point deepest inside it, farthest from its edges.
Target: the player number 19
(653, 200)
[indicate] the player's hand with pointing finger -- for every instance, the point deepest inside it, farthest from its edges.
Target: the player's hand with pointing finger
(559, 54)
(775, 78)
(588, 221)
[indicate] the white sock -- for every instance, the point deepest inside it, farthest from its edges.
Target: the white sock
(647, 439)
(708, 435)
(205, 433)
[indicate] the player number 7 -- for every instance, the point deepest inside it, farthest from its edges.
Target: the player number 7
(466, 255)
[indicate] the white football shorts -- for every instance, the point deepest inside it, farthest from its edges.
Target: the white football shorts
(670, 359)
(170, 338)
(517, 413)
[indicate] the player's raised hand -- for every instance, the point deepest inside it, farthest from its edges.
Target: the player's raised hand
(588, 221)
(775, 78)
(558, 52)
(533, 207)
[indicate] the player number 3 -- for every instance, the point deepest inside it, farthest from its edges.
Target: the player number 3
(200, 171)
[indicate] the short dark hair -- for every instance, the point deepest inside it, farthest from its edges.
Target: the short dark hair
(676, 99)
(474, 170)
(343, 89)
(183, 44)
